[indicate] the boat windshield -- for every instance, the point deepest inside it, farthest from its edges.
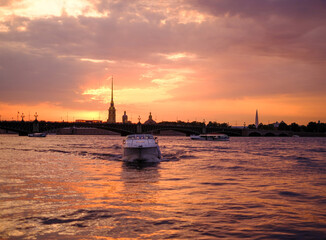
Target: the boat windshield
(137, 137)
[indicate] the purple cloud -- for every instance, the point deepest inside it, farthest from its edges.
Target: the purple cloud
(250, 48)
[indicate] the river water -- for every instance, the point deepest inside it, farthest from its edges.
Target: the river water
(77, 187)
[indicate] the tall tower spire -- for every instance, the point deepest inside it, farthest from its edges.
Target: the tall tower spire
(111, 117)
(112, 91)
(256, 119)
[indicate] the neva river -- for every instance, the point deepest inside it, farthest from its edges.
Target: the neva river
(76, 187)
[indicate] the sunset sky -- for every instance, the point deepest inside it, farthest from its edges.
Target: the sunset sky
(188, 60)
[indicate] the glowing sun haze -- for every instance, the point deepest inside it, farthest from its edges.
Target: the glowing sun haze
(217, 60)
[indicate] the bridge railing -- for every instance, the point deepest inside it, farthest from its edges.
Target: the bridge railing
(123, 129)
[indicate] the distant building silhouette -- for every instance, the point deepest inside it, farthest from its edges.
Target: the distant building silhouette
(150, 119)
(124, 118)
(276, 124)
(256, 120)
(111, 117)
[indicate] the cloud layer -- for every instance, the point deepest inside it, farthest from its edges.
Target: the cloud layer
(180, 51)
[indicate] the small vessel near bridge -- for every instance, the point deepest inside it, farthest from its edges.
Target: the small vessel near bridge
(37, 135)
(141, 148)
(210, 137)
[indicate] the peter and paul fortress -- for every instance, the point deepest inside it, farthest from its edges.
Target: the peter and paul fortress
(112, 112)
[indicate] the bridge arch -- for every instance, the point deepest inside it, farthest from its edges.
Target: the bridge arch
(232, 134)
(13, 130)
(122, 132)
(269, 134)
(116, 130)
(283, 135)
(254, 134)
(19, 127)
(187, 132)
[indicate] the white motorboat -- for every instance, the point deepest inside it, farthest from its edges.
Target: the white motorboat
(37, 135)
(141, 148)
(210, 137)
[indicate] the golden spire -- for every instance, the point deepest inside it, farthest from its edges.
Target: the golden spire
(111, 90)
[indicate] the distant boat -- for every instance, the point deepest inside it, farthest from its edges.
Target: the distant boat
(210, 137)
(37, 135)
(141, 148)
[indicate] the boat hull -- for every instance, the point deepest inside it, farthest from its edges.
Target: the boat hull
(141, 154)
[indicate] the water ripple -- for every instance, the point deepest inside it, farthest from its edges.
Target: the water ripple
(77, 187)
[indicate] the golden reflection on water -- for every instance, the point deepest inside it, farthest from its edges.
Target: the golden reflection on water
(139, 185)
(207, 191)
(101, 182)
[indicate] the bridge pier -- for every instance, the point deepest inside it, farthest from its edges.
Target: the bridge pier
(36, 126)
(139, 128)
(22, 134)
(245, 132)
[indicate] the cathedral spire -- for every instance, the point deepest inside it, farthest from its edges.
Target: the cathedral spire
(256, 119)
(111, 117)
(111, 90)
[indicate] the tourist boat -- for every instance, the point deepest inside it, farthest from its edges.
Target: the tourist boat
(37, 135)
(210, 137)
(141, 148)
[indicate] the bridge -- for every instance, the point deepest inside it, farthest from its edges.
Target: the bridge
(265, 133)
(24, 128)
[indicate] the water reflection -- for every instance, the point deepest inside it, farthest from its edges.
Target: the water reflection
(248, 188)
(139, 165)
(140, 182)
